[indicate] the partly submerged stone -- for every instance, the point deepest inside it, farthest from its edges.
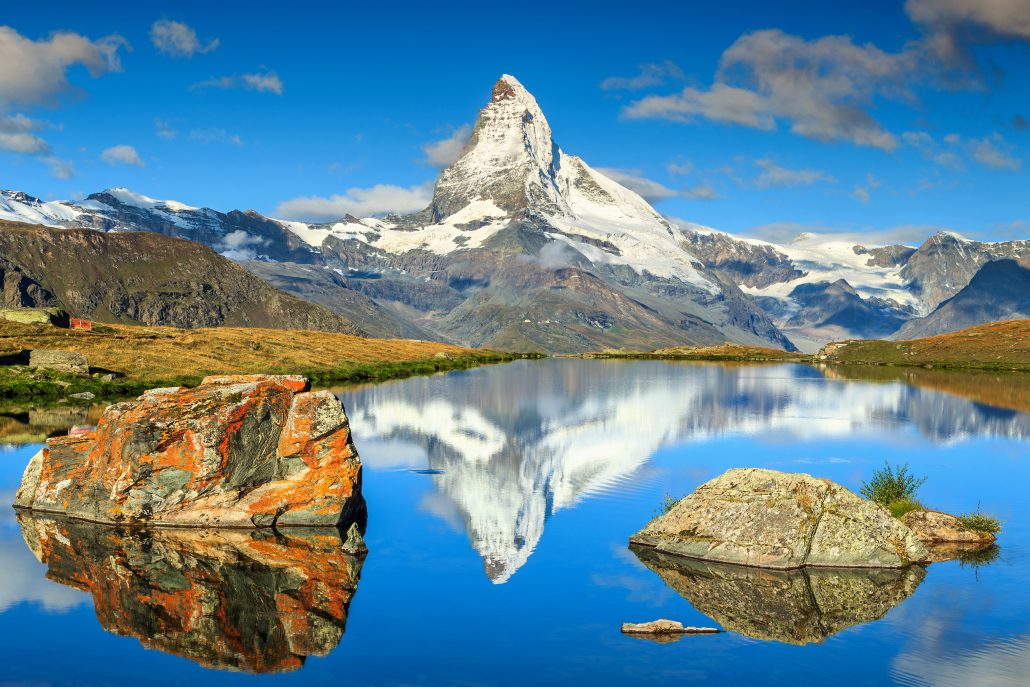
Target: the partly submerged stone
(664, 626)
(791, 606)
(934, 527)
(243, 451)
(771, 519)
(255, 601)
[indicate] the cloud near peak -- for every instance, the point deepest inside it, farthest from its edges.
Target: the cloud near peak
(361, 202)
(122, 155)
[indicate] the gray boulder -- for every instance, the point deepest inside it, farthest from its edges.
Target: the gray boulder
(59, 361)
(771, 519)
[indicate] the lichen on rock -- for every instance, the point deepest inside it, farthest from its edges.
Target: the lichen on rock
(236, 451)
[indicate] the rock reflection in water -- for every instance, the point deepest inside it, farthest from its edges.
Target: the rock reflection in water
(790, 606)
(241, 600)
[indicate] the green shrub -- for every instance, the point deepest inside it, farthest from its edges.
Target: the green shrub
(899, 507)
(892, 484)
(979, 522)
(668, 503)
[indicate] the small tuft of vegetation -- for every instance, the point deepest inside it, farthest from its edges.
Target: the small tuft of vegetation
(978, 521)
(900, 507)
(892, 484)
(668, 503)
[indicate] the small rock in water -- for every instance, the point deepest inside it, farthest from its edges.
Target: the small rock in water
(933, 527)
(83, 396)
(662, 626)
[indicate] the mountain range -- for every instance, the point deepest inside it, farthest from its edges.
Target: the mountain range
(527, 247)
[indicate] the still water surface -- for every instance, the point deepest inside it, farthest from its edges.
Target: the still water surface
(500, 502)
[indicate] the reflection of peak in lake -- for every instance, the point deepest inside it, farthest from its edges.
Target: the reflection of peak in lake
(791, 606)
(227, 599)
(515, 443)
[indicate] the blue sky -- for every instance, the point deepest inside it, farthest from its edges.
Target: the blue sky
(886, 119)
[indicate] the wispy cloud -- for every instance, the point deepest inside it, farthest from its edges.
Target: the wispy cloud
(266, 82)
(773, 175)
(651, 74)
(653, 191)
(121, 155)
(179, 40)
(991, 151)
(215, 136)
(360, 202)
(952, 27)
(164, 129)
(444, 152)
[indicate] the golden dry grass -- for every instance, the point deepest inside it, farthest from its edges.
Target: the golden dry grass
(155, 353)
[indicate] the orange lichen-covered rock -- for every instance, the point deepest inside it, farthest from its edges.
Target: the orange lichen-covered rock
(236, 451)
(229, 599)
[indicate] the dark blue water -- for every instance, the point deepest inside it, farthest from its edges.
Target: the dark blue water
(500, 502)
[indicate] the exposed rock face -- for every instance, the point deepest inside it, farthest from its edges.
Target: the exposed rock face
(934, 527)
(247, 451)
(771, 519)
(227, 599)
(146, 278)
(791, 606)
(1000, 290)
(59, 361)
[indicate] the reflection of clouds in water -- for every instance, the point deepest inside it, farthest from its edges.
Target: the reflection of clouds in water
(520, 442)
(1001, 663)
(24, 581)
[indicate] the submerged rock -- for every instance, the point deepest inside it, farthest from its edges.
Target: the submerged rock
(236, 451)
(230, 599)
(934, 527)
(771, 519)
(791, 606)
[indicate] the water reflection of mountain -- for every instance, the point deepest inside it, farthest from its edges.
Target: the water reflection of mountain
(510, 445)
(790, 606)
(258, 602)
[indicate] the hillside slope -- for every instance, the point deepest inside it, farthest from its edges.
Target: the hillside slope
(145, 278)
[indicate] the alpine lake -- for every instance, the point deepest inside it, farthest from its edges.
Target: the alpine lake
(500, 503)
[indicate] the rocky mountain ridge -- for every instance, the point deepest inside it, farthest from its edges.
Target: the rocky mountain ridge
(525, 246)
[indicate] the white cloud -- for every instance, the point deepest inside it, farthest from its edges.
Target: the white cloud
(773, 174)
(35, 72)
(652, 74)
(17, 135)
(267, 82)
(990, 151)
(239, 245)
(178, 40)
(360, 202)
(863, 192)
(823, 88)
(121, 155)
(446, 151)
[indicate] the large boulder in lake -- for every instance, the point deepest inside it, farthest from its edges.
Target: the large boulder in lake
(236, 451)
(773, 519)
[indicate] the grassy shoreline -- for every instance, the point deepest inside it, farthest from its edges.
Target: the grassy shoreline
(149, 357)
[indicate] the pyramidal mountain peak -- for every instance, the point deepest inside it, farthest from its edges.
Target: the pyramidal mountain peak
(525, 246)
